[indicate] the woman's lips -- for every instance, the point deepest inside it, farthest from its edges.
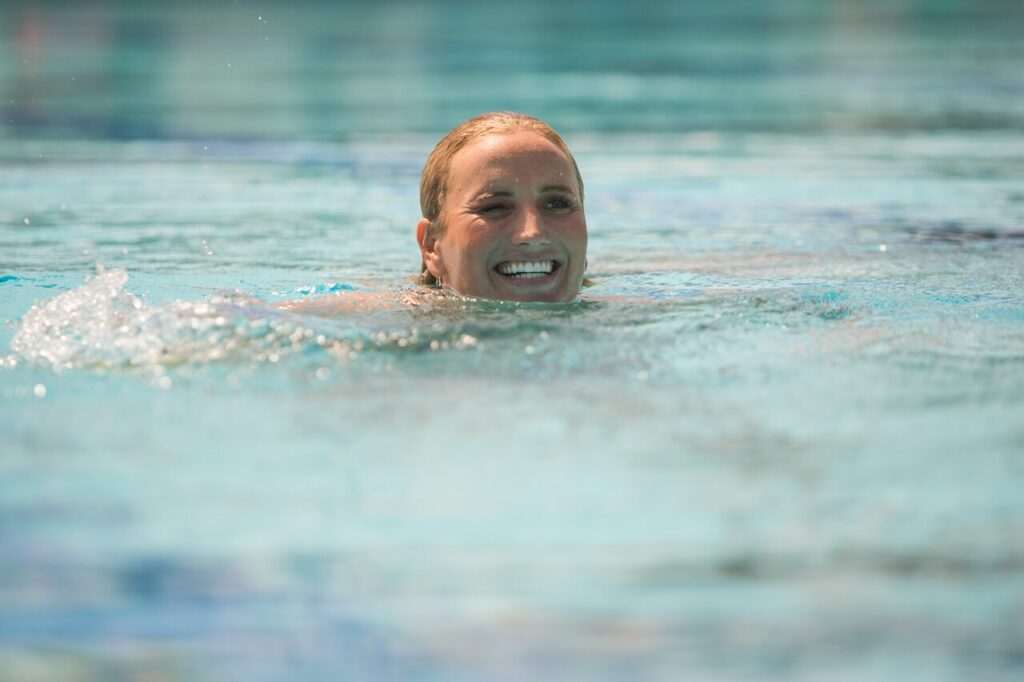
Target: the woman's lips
(531, 278)
(527, 269)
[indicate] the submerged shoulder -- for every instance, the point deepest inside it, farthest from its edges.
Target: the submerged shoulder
(341, 303)
(344, 302)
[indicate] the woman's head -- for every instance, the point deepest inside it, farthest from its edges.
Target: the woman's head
(502, 202)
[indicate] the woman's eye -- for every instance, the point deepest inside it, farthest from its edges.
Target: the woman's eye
(493, 209)
(559, 204)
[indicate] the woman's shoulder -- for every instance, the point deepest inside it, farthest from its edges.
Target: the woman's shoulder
(345, 302)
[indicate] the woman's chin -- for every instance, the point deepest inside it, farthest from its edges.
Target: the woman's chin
(559, 286)
(548, 288)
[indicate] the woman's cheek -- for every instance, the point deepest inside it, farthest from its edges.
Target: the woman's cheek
(480, 241)
(577, 234)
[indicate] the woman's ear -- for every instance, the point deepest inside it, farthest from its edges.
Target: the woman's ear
(426, 237)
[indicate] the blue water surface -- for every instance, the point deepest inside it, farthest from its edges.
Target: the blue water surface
(779, 438)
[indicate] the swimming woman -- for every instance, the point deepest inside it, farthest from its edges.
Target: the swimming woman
(502, 216)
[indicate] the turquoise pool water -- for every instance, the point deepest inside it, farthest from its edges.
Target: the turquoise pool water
(781, 437)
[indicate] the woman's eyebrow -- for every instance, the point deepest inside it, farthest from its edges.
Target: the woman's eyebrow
(501, 193)
(557, 188)
(491, 194)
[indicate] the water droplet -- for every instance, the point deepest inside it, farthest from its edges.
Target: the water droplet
(883, 248)
(322, 373)
(164, 382)
(39, 391)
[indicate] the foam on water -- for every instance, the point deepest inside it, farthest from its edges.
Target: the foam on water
(658, 326)
(101, 324)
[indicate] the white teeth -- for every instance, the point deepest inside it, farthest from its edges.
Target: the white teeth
(534, 268)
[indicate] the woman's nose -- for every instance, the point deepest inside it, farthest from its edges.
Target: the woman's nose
(530, 227)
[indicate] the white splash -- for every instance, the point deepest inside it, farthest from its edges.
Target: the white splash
(97, 323)
(100, 324)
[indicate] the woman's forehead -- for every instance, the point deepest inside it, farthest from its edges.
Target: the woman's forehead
(490, 159)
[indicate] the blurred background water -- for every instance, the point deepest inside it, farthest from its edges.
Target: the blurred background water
(780, 438)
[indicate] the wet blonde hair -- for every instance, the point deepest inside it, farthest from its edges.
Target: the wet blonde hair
(434, 179)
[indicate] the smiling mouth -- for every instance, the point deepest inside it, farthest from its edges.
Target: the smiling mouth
(518, 269)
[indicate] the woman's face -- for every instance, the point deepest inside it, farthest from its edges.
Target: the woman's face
(513, 222)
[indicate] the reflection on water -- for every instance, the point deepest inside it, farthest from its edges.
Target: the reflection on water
(326, 70)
